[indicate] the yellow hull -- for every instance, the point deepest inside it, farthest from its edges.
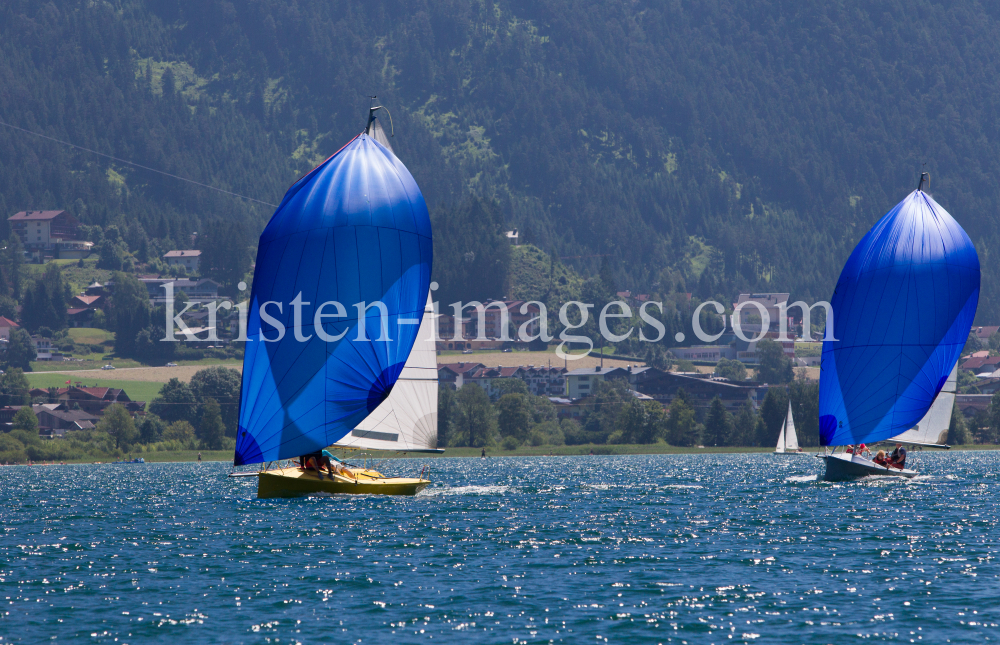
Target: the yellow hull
(295, 482)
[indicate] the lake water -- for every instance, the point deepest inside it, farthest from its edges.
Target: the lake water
(672, 549)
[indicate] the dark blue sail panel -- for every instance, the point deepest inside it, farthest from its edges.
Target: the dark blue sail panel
(354, 230)
(902, 309)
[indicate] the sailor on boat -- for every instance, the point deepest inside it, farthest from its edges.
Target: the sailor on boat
(898, 457)
(324, 459)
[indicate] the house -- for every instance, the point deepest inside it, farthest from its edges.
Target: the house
(203, 290)
(486, 377)
(989, 385)
(188, 259)
(453, 374)
(513, 238)
(43, 348)
(491, 323)
(84, 301)
(545, 381)
(61, 420)
(969, 404)
(981, 364)
(700, 390)
(50, 233)
(80, 317)
(571, 409)
(983, 334)
(6, 326)
(750, 313)
(98, 289)
(580, 383)
(578, 408)
(53, 418)
(94, 400)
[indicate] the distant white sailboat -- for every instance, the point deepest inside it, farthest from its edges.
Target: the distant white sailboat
(788, 441)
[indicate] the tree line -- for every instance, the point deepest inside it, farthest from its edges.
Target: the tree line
(200, 415)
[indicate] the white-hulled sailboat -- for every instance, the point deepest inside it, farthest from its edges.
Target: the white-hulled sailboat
(902, 310)
(788, 441)
(930, 432)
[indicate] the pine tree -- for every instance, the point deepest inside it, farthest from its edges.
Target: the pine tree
(718, 425)
(682, 428)
(744, 426)
(211, 430)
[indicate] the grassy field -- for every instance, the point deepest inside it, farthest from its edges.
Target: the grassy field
(79, 278)
(89, 335)
(136, 390)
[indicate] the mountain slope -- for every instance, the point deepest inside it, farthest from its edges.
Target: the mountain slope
(777, 132)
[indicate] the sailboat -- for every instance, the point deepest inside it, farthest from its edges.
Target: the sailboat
(788, 441)
(903, 307)
(338, 301)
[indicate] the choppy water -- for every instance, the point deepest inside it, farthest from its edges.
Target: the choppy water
(699, 549)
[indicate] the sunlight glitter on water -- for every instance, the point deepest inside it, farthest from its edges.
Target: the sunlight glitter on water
(734, 548)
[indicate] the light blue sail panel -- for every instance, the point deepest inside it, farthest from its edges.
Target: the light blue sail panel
(902, 310)
(354, 230)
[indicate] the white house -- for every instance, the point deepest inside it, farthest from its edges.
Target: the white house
(187, 259)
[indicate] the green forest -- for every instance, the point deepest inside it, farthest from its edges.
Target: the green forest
(701, 147)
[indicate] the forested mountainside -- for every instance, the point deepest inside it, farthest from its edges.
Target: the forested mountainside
(701, 146)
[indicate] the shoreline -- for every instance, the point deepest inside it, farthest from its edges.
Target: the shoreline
(225, 456)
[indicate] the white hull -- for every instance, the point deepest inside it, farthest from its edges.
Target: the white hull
(843, 467)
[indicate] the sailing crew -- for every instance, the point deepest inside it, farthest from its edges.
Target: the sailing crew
(898, 457)
(880, 458)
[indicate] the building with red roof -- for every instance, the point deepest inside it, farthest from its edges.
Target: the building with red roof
(6, 326)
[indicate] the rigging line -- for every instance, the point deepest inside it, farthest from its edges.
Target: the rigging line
(132, 163)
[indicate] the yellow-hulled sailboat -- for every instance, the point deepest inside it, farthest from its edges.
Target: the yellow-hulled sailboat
(404, 422)
(340, 334)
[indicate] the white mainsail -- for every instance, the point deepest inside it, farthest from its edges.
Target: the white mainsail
(788, 441)
(932, 430)
(406, 421)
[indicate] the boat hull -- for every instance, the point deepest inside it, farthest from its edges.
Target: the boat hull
(295, 482)
(846, 468)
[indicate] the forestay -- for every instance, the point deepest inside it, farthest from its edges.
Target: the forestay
(355, 230)
(903, 307)
(407, 420)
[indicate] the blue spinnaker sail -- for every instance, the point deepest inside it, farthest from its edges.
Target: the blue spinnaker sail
(353, 232)
(903, 308)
